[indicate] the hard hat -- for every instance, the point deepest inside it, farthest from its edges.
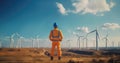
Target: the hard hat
(55, 25)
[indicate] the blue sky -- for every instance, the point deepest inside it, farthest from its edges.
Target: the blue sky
(30, 18)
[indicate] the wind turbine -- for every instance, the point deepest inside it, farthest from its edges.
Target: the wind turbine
(118, 44)
(11, 40)
(18, 41)
(32, 42)
(112, 43)
(78, 40)
(37, 40)
(68, 43)
(97, 37)
(86, 40)
(0, 44)
(83, 42)
(19, 44)
(106, 40)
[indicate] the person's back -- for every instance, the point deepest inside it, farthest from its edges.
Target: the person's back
(56, 37)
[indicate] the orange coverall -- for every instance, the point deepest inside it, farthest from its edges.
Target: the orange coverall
(56, 37)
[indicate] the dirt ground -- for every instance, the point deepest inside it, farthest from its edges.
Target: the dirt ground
(42, 55)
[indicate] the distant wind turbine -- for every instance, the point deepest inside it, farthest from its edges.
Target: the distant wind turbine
(32, 42)
(83, 42)
(68, 43)
(118, 44)
(97, 37)
(37, 40)
(85, 39)
(18, 41)
(0, 44)
(78, 40)
(11, 40)
(106, 40)
(112, 43)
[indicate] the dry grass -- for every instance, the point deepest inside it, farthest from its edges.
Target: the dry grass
(41, 55)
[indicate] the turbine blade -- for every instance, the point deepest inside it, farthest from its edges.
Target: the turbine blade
(92, 31)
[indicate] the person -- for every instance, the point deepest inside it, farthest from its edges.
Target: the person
(56, 37)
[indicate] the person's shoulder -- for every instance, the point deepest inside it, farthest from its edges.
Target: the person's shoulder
(59, 30)
(52, 30)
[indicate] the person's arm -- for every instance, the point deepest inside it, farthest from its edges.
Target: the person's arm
(61, 35)
(50, 36)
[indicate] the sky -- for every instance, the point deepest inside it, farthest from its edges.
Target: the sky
(31, 18)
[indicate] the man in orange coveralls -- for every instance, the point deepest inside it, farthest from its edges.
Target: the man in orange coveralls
(56, 37)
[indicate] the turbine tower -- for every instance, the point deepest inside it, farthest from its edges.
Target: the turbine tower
(82, 42)
(106, 40)
(18, 41)
(11, 40)
(112, 43)
(118, 44)
(97, 37)
(0, 44)
(68, 43)
(32, 42)
(85, 39)
(37, 40)
(78, 40)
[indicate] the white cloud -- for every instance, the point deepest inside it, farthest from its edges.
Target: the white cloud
(61, 8)
(112, 26)
(112, 4)
(95, 7)
(74, 33)
(83, 29)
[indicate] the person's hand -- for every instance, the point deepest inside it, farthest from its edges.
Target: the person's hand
(60, 39)
(51, 39)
